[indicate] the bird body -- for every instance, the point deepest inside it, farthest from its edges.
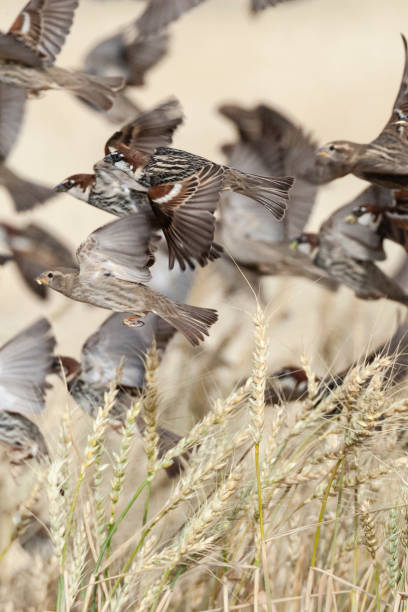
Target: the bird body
(123, 296)
(115, 263)
(349, 252)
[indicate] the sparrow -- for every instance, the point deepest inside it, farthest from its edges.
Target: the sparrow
(160, 13)
(107, 189)
(29, 49)
(127, 54)
(24, 193)
(184, 189)
(348, 254)
(34, 250)
(110, 347)
(25, 362)
(384, 161)
(269, 144)
(114, 264)
(291, 384)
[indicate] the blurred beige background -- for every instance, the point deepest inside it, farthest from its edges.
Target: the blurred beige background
(333, 66)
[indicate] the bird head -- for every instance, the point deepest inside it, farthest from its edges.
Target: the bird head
(60, 279)
(119, 161)
(307, 244)
(77, 185)
(338, 155)
(369, 216)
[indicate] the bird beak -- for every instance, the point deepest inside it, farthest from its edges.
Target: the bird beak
(294, 245)
(322, 153)
(351, 219)
(41, 280)
(60, 187)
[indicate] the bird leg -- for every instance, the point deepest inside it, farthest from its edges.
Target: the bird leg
(134, 320)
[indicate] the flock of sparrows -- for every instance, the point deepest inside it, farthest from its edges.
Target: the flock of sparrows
(176, 210)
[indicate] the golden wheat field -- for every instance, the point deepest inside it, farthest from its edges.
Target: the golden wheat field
(279, 508)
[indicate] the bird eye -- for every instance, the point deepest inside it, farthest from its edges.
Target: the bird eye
(332, 148)
(50, 275)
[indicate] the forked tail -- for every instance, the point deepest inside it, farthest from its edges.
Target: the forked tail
(271, 192)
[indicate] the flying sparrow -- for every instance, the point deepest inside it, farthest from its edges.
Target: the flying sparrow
(28, 51)
(24, 193)
(383, 161)
(114, 264)
(127, 54)
(183, 188)
(34, 250)
(348, 252)
(107, 189)
(111, 347)
(269, 144)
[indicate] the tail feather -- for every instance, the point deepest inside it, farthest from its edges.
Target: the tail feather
(271, 192)
(192, 321)
(24, 193)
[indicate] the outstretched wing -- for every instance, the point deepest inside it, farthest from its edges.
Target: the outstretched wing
(149, 130)
(159, 13)
(12, 102)
(25, 362)
(41, 28)
(185, 211)
(122, 249)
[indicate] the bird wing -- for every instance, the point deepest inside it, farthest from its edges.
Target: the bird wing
(25, 361)
(286, 149)
(12, 103)
(114, 343)
(159, 13)
(144, 53)
(185, 210)
(122, 249)
(395, 132)
(149, 130)
(36, 250)
(282, 149)
(42, 27)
